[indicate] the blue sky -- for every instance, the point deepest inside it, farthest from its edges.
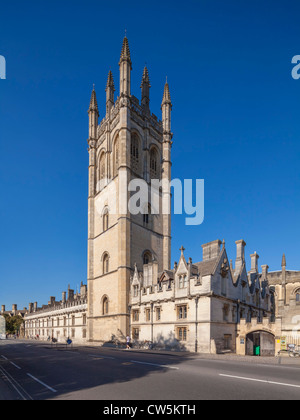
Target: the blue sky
(235, 121)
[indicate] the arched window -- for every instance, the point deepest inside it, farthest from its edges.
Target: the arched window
(147, 216)
(105, 220)
(105, 263)
(105, 306)
(134, 153)
(102, 169)
(257, 300)
(153, 164)
(147, 258)
(116, 157)
(298, 296)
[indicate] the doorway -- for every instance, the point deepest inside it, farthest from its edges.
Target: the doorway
(260, 343)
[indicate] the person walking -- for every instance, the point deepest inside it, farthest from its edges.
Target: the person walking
(127, 342)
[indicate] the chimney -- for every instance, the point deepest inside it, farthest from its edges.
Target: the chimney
(265, 269)
(211, 250)
(35, 306)
(155, 271)
(30, 306)
(52, 301)
(2, 309)
(70, 295)
(64, 297)
(254, 262)
(240, 255)
(14, 308)
(83, 290)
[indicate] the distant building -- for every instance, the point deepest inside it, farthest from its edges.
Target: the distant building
(14, 311)
(60, 320)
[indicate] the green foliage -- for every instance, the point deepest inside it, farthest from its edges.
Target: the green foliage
(13, 324)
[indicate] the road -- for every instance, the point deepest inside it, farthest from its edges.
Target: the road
(34, 371)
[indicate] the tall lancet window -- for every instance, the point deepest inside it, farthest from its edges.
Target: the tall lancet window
(117, 157)
(147, 258)
(102, 168)
(105, 263)
(105, 306)
(135, 153)
(147, 219)
(153, 164)
(105, 220)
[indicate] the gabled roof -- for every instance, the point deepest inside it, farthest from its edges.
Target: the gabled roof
(169, 274)
(206, 268)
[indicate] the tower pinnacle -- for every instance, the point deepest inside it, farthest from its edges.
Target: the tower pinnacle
(145, 86)
(93, 102)
(110, 90)
(125, 53)
(145, 78)
(167, 96)
(110, 81)
(93, 116)
(125, 69)
(166, 108)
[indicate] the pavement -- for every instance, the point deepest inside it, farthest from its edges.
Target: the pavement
(31, 370)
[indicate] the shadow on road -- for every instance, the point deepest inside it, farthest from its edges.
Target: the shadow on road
(72, 370)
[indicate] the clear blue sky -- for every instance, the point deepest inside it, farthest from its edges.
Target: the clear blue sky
(236, 123)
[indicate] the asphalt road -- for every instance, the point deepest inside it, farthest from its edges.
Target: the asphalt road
(34, 371)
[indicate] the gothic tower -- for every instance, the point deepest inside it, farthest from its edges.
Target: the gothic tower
(129, 144)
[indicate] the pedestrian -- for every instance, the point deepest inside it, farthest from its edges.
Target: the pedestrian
(128, 342)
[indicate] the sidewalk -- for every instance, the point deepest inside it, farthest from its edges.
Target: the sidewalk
(282, 360)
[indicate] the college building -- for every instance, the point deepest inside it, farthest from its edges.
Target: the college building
(210, 306)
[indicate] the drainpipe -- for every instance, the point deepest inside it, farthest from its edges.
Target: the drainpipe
(129, 310)
(68, 326)
(196, 325)
(151, 322)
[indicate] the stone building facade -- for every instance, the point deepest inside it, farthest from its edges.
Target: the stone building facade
(59, 319)
(285, 285)
(198, 306)
(129, 144)
(209, 306)
(14, 311)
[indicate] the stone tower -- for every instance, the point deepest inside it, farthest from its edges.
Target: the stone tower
(129, 144)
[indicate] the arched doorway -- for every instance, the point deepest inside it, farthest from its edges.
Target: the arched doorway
(260, 343)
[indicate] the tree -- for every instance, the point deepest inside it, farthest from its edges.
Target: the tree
(13, 324)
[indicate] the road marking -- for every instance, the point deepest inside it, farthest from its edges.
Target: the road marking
(102, 357)
(14, 384)
(154, 364)
(3, 357)
(42, 383)
(260, 380)
(16, 366)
